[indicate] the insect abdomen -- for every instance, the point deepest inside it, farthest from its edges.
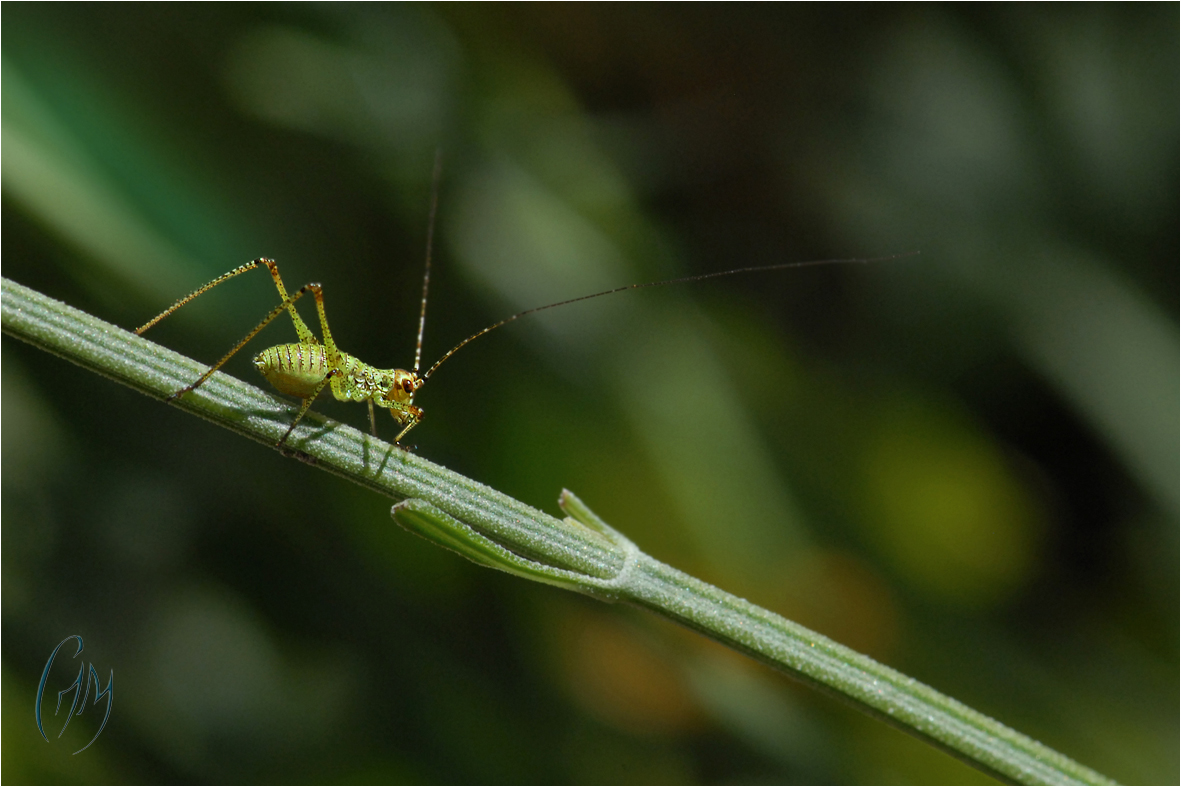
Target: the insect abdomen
(293, 369)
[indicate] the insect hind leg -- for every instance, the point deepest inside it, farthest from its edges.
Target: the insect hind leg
(199, 291)
(301, 329)
(286, 304)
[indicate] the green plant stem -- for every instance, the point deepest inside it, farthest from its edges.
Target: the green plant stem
(580, 553)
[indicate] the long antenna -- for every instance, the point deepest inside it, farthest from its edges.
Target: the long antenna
(682, 279)
(430, 242)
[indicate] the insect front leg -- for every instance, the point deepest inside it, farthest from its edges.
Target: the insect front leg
(411, 416)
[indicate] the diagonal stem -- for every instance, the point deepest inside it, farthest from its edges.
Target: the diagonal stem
(580, 553)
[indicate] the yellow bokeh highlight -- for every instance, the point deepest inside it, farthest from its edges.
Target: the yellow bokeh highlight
(946, 506)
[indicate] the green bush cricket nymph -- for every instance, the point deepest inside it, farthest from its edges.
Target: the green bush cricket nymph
(305, 367)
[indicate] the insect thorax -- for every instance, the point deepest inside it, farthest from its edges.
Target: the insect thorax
(386, 387)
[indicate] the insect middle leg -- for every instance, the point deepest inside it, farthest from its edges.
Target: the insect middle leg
(307, 403)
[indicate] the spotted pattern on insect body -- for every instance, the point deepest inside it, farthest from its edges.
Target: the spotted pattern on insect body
(301, 369)
(392, 389)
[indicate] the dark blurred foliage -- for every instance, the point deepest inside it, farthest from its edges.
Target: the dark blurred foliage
(963, 463)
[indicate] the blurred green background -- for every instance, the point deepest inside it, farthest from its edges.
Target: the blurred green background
(963, 463)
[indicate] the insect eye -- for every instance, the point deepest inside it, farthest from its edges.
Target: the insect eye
(407, 386)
